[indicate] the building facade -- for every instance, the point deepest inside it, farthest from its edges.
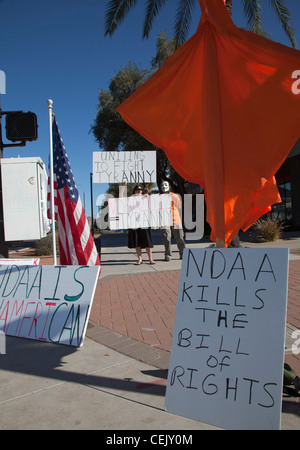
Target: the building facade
(288, 181)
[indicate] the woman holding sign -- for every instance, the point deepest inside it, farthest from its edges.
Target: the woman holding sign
(140, 238)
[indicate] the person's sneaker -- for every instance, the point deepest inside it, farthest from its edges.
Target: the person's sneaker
(167, 258)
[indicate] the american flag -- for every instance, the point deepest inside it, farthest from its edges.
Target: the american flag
(76, 243)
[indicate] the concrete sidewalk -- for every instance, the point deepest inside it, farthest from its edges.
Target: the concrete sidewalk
(116, 381)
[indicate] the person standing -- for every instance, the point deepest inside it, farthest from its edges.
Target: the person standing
(175, 230)
(140, 238)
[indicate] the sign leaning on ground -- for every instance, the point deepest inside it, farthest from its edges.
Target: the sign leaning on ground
(227, 357)
(119, 167)
(47, 303)
(21, 262)
(143, 211)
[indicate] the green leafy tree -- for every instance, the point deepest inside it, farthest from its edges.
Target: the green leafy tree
(111, 131)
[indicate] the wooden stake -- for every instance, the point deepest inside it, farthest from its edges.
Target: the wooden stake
(220, 243)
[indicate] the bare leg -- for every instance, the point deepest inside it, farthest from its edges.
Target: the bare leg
(149, 253)
(139, 255)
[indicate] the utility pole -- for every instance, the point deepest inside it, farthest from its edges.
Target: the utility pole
(3, 244)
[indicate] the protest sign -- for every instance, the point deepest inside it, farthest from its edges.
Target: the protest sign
(119, 167)
(47, 303)
(20, 262)
(226, 364)
(151, 211)
(2, 82)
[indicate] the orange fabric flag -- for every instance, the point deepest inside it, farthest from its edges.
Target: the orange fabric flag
(223, 110)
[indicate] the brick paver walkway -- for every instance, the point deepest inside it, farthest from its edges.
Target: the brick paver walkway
(293, 310)
(142, 307)
(135, 313)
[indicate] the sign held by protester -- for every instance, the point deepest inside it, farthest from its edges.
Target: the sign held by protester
(47, 303)
(142, 211)
(227, 357)
(120, 167)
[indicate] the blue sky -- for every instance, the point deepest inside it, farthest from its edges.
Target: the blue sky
(56, 49)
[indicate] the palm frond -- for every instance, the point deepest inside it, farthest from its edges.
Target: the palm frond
(116, 13)
(152, 10)
(252, 11)
(285, 19)
(183, 20)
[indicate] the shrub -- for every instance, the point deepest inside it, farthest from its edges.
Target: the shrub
(268, 230)
(43, 247)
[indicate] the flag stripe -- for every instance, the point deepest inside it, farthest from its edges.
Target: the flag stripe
(76, 244)
(67, 238)
(49, 200)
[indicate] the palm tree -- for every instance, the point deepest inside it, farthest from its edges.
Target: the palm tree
(118, 9)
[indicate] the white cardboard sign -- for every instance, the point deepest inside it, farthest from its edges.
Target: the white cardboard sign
(119, 167)
(20, 262)
(226, 364)
(47, 303)
(141, 211)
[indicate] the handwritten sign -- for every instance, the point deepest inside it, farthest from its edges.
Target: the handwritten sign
(2, 82)
(152, 211)
(226, 364)
(21, 262)
(119, 167)
(47, 303)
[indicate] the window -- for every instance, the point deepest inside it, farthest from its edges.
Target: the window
(283, 211)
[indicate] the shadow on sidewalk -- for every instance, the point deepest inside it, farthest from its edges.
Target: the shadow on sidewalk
(291, 407)
(40, 359)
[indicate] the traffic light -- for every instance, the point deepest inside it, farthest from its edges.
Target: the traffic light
(21, 126)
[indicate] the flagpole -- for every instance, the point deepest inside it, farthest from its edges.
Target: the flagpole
(50, 113)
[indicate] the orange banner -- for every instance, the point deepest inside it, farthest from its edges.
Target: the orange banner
(223, 109)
